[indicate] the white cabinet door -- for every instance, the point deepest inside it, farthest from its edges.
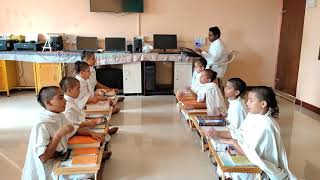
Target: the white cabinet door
(132, 78)
(182, 75)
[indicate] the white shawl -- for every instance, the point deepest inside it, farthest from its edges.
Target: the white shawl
(259, 137)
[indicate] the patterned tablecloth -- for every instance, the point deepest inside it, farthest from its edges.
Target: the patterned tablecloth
(102, 58)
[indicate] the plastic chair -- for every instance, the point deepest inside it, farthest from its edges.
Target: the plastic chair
(231, 57)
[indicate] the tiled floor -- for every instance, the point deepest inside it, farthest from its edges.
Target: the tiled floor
(152, 143)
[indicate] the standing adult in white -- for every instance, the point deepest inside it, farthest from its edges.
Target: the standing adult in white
(217, 53)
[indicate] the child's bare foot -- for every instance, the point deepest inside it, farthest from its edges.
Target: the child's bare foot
(115, 110)
(112, 131)
(120, 99)
(106, 155)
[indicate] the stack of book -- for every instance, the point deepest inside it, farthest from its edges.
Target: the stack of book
(85, 155)
(192, 104)
(82, 157)
(211, 121)
(99, 128)
(185, 95)
(82, 142)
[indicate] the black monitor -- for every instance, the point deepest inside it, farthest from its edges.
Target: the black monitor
(165, 41)
(115, 44)
(87, 43)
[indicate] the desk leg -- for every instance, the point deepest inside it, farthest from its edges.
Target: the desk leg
(58, 177)
(259, 176)
(222, 176)
(96, 176)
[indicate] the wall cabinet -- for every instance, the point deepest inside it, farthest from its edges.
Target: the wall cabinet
(47, 74)
(8, 76)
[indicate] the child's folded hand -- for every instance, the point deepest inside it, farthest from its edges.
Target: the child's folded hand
(98, 136)
(223, 114)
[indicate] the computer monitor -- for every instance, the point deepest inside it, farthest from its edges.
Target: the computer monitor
(115, 44)
(165, 41)
(87, 43)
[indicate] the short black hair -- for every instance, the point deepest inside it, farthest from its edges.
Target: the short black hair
(46, 94)
(85, 55)
(212, 75)
(215, 31)
(202, 61)
(68, 82)
(81, 66)
(238, 84)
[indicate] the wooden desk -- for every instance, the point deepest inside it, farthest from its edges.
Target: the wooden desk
(79, 170)
(187, 113)
(233, 169)
(89, 169)
(194, 125)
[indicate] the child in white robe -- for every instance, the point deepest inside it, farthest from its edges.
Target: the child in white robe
(71, 88)
(259, 138)
(49, 137)
(235, 90)
(87, 94)
(199, 66)
(90, 58)
(210, 93)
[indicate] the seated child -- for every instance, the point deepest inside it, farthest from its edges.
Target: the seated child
(71, 88)
(87, 94)
(237, 111)
(258, 137)
(210, 93)
(49, 136)
(199, 66)
(90, 58)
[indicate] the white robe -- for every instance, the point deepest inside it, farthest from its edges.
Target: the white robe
(237, 112)
(93, 77)
(86, 91)
(72, 112)
(212, 95)
(217, 54)
(41, 135)
(195, 82)
(259, 138)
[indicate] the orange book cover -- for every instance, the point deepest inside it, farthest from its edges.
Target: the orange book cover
(82, 140)
(193, 104)
(90, 150)
(89, 159)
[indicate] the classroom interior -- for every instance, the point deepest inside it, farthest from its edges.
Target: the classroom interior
(278, 45)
